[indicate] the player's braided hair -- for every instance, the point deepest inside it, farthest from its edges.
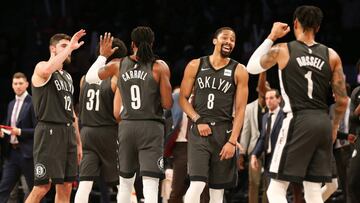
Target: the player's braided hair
(143, 37)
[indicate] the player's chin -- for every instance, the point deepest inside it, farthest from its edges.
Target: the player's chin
(225, 53)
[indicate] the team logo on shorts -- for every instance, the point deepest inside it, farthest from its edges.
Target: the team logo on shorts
(40, 170)
(160, 163)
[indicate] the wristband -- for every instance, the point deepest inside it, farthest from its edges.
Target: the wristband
(200, 121)
(233, 144)
(195, 118)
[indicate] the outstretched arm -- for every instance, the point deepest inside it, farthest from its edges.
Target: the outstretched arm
(98, 71)
(44, 69)
(266, 56)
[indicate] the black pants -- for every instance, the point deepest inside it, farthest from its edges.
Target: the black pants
(342, 157)
(354, 174)
(14, 166)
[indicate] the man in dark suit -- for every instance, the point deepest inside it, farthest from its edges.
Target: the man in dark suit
(269, 133)
(17, 141)
(270, 129)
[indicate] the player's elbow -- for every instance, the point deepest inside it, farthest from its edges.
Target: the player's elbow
(254, 67)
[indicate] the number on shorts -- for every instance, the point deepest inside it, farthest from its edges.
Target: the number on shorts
(210, 103)
(135, 97)
(93, 97)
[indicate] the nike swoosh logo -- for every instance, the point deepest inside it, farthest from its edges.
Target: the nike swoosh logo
(203, 69)
(228, 131)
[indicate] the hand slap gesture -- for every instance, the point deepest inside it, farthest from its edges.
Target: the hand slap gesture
(106, 49)
(74, 42)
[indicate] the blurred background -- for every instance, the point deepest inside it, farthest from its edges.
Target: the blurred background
(183, 31)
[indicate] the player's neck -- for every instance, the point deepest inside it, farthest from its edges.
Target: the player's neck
(217, 60)
(307, 38)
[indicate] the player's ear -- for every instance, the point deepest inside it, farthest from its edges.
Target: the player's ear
(214, 41)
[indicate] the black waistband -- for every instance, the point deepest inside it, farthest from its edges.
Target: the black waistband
(55, 123)
(216, 123)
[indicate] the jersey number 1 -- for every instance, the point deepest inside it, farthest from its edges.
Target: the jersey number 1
(310, 84)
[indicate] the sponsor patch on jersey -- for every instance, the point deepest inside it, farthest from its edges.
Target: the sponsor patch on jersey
(227, 72)
(40, 170)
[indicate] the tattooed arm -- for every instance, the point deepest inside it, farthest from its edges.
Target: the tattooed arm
(266, 56)
(339, 90)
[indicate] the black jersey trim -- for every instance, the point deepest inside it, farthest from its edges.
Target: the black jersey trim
(207, 58)
(286, 147)
(152, 174)
(127, 175)
(199, 178)
(94, 178)
(227, 185)
(200, 64)
(298, 179)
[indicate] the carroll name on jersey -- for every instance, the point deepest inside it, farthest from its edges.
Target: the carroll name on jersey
(137, 74)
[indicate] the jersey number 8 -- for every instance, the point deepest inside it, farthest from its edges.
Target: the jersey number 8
(210, 103)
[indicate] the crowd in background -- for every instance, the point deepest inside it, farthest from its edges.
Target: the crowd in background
(183, 31)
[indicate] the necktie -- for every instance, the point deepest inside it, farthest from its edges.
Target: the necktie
(267, 135)
(13, 139)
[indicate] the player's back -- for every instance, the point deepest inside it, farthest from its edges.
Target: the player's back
(96, 104)
(140, 92)
(305, 81)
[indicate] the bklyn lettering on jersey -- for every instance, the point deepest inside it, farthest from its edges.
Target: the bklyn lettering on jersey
(214, 83)
(64, 85)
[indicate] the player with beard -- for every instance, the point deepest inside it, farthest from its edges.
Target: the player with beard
(57, 144)
(220, 87)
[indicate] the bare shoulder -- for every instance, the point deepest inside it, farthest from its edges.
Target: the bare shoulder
(40, 76)
(334, 59)
(194, 63)
(241, 74)
(39, 66)
(161, 65)
(192, 67)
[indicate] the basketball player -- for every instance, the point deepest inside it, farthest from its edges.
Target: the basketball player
(306, 71)
(220, 84)
(99, 126)
(145, 90)
(57, 144)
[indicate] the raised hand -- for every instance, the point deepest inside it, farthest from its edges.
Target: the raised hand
(106, 49)
(279, 30)
(74, 42)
